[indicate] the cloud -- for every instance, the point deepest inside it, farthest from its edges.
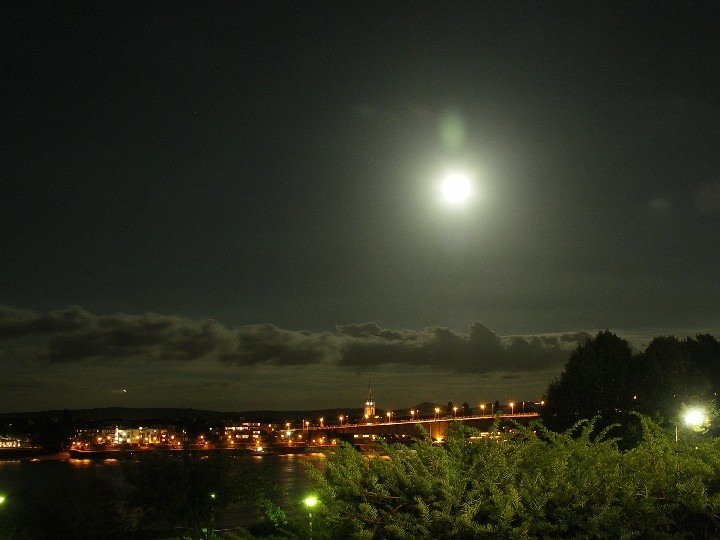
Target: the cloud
(74, 334)
(16, 323)
(479, 351)
(367, 330)
(266, 343)
(577, 337)
(148, 336)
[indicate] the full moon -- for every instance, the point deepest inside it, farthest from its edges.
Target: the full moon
(456, 188)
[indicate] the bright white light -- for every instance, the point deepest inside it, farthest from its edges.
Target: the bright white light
(694, 417)
(456, 188)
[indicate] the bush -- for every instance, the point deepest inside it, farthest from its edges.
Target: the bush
(531, 483)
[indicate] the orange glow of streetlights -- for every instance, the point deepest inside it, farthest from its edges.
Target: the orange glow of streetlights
(455, 412)
(512, 407)
(482, 409)
(437, 412)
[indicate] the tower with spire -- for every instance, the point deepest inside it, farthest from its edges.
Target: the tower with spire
(369, 412)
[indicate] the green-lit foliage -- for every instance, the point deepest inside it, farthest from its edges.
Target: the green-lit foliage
(531, 483)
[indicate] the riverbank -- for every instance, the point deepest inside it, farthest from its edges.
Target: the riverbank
(91, 487)
(37, 453)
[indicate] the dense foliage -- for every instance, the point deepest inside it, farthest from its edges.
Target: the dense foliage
(529, 484)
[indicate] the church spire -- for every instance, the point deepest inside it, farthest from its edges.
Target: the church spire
(369, 404)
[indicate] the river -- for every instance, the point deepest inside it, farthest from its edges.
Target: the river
(61, 481)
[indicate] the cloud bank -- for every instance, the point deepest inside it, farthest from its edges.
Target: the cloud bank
(73, 335)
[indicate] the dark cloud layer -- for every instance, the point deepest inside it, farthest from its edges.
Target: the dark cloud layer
(479, 351)
(74, 334)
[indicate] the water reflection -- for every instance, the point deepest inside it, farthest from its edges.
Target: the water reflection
(60, 481)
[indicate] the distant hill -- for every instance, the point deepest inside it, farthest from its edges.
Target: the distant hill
(109, 414)
(127, 413)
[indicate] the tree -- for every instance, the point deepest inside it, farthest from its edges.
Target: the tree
(52, 435)
(669, 376)
(705, 352)
(597, 380)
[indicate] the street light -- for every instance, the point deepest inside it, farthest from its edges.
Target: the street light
(693, 418)
(482, 409)
(512, 407)
(389, 415)
(455, 412)
(437, 413)
(310, 502)
(341, 419)
(412, 414)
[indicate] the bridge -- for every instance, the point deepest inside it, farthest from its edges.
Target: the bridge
(401, 429)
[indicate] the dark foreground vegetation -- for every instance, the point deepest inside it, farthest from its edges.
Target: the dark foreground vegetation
(528, 484)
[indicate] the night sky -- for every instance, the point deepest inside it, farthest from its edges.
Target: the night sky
(238, 205)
